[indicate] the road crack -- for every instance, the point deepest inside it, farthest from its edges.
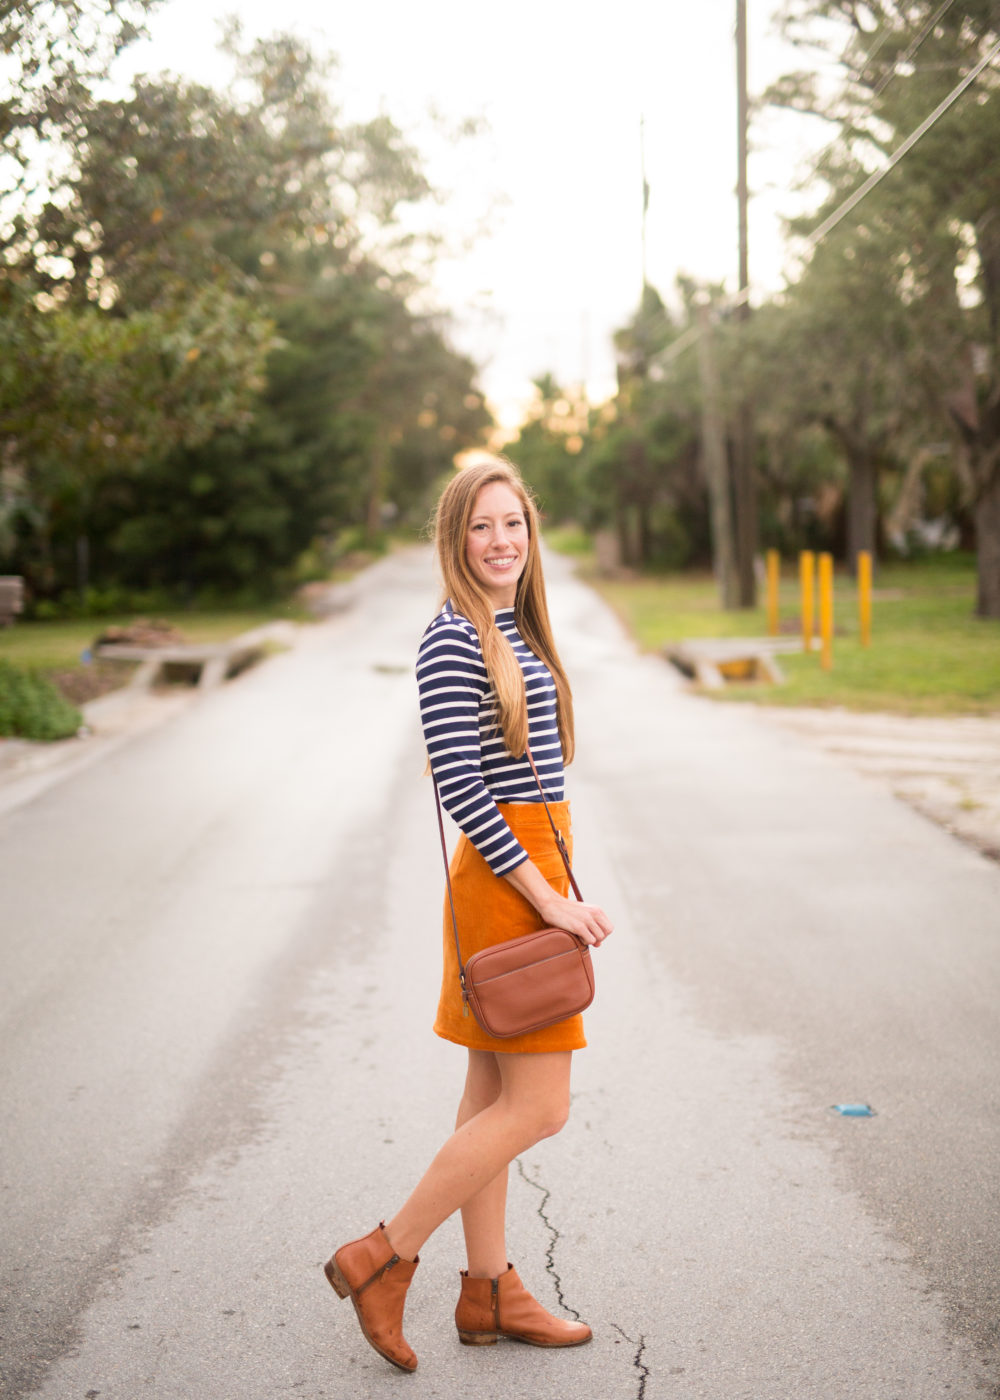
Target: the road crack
(637, 1361)
(550, 1253)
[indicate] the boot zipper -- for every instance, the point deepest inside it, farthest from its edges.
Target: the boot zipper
(379, 1274)
(495, 1301)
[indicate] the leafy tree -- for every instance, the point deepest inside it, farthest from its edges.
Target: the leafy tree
(52, 54)
(939, 209)
(216, 362)
(839, 352)
(84, 394)
(353, 374)
(549, 449)
(644, 473)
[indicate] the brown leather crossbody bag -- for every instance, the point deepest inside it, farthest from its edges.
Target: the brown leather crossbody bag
(529, 982)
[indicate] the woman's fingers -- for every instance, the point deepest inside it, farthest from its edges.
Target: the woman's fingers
(595, 924)
(586, 921)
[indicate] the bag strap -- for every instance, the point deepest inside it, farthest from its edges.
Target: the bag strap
(560, 843)
(555, 830)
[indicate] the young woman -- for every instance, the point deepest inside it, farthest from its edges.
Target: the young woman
(490, 683)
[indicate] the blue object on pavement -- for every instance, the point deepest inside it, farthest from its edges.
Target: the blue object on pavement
(855, 1110)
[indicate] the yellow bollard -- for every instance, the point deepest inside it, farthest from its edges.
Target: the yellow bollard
(865, 596)
(826, 611)
(773, 582)
(807, 577)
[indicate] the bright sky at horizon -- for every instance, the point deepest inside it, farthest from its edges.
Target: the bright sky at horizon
(555, 179)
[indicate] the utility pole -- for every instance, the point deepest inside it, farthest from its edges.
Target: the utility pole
(742, 125)
(713, 448)
(645, 198)
(744, 485)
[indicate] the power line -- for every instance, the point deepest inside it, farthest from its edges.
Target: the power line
(853, 200)
(859, 194)
(911, 48)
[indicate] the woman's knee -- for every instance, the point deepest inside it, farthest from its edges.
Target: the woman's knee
(548, 1118)
(536, 1090)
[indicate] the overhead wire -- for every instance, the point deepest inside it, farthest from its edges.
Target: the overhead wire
(874, 179)
(854, 199)
(910, 49)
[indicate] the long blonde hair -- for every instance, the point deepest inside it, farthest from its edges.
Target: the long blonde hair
(531, 613)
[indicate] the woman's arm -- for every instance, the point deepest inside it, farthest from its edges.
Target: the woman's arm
(587, 921)
(452, 680)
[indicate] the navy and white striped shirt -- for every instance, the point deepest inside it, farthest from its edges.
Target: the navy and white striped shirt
(468, 756)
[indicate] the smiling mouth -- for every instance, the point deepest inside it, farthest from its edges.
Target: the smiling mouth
(502, 561)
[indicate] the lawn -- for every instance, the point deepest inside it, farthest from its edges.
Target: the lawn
(929, 653)
(57, 646)
(56, 650)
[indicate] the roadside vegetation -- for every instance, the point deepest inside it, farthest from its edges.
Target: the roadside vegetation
(222, 368)
(48, 669)
(31, 707)
(929, 654)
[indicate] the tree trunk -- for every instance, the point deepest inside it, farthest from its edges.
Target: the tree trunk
(988, 548)
(745, 505)
(713, 449)
(862, 503)
(377, 467)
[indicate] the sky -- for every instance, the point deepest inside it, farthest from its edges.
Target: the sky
(542, 209)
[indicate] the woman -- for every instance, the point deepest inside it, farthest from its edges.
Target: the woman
(490, 683)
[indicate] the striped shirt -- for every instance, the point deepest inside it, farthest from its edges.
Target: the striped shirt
(468, 756)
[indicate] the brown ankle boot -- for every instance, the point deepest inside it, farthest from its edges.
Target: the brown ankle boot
(376, 1279)
(502, 1307)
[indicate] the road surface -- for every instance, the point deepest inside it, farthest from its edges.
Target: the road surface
(220, 950)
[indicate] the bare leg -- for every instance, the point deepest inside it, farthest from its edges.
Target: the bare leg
(533, 1103)
(484, 1214)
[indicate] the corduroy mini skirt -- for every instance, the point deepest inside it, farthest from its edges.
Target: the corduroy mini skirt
(490, 910)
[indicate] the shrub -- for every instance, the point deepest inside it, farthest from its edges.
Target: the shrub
(32, 708)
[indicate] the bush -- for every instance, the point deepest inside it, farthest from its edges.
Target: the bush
(112, 601)
(32, 708)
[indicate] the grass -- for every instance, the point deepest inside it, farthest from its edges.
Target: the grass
(929, 654)
(55, 649)
(52, 646)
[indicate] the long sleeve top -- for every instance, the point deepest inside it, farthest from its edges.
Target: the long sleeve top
(468, 756)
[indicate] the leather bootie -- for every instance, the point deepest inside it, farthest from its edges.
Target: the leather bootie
(490, 1308)
(375, 1278)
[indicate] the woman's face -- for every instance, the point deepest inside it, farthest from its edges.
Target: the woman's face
(496, 542)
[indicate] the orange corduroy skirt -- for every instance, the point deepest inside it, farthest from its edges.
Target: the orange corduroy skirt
(490, 910)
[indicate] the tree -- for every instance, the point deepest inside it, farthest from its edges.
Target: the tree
(898, 61)
(52, 54)
(549, 449)
(196, 233)
(839, 350)
(84, 395)
(643, 455)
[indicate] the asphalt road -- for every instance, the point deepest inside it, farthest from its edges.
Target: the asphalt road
(220, 955)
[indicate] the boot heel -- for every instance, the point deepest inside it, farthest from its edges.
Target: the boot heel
(336, 1279)
(477, 1339)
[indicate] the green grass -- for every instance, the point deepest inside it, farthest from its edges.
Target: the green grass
(52, 649)
(570, 539)
(929, 653)
(49, 646)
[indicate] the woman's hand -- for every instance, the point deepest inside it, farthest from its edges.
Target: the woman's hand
(588, 921)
